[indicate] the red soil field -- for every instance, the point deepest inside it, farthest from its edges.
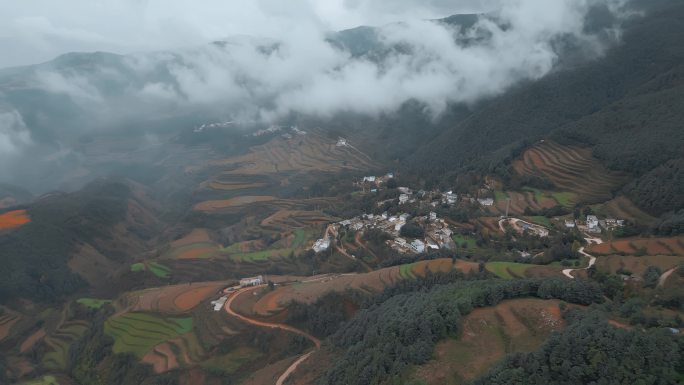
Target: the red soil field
(176, 299)
(195, 236)
(31, 341)
(13, 219)
(196, 252)
(192, 298)
(653, 246)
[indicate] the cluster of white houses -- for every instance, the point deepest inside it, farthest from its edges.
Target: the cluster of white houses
(437, 232)
(595, 225)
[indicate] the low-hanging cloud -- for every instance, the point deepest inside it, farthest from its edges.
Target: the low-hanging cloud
(431, 62)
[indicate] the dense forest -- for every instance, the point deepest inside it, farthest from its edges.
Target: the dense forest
(384, 339)
(660, 190)
(590, 351)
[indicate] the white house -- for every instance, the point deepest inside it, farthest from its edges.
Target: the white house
(570, 223)
(593, 224)
(403, 198)
(433, 216)
(218, 304)
(369, 179)
(341, 142)
(252, 281)
(418, 246)
(321, 245)
(405, 190)
(449, 198)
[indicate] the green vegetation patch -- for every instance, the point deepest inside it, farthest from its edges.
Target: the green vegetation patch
(93, 303)
(565, 199)
(460, 239)
(406, 271)
(507, 270)
(231, 362)
(300, 238)
(500, 195)
(538, 194)
(155, 268)
(540, 220)
(45, 380)
(137, 333)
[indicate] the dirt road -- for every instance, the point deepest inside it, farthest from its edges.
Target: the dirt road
(592, 259)
(663, 278)
(288, 328)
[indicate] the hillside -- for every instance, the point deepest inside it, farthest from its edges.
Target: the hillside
(626, 107)
(73, 238)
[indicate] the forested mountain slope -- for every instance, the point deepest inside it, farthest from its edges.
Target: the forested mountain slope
(628, 105)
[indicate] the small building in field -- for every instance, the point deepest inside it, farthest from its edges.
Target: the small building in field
(252, 281)
(218, 304)
(321, 245)
(486, 201)
(570, 224)
(593, 224)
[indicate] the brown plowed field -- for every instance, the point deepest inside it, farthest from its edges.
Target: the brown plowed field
(638, 265)
(7, 320)
(31, 341)
(237, 201)
(195, 236)
(13, 219)
(653, 246)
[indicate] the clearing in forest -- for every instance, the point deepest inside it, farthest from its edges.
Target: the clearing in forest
(138, 333)
(641, 246)
(174, 299)
(13, 219)
(519, 325)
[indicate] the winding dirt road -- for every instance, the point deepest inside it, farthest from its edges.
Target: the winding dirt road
(288, 328)
(592, 259)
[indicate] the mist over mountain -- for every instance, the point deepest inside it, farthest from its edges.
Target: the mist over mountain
(371, 71)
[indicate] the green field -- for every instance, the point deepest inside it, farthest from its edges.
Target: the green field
(93, 303)
(155, 268)
(406, 271)
(137, 333)
(500, 195)
(538, 194)
(540, 220)
(504, 269)
(59, 343)
(231, 362)
(300, 237)
(460, 239)
(565, 199)
(45, 380)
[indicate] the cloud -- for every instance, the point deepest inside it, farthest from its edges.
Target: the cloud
(14, 135)
(300, 71)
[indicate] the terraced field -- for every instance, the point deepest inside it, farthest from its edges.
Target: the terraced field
(533, 199)
(286, 220)
(309, 153)
(13, 219)
(93, 303)
(59, 341)
(508, 270)
(638, 265)
(138, 333)
(621, 207)
(7, 320)
(238, 204)
(174, 299)
(644, 246)
(570, 169)
(309, 291)
(155, 268)
(45, 380)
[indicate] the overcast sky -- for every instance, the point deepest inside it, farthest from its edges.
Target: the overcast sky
(33, 31)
